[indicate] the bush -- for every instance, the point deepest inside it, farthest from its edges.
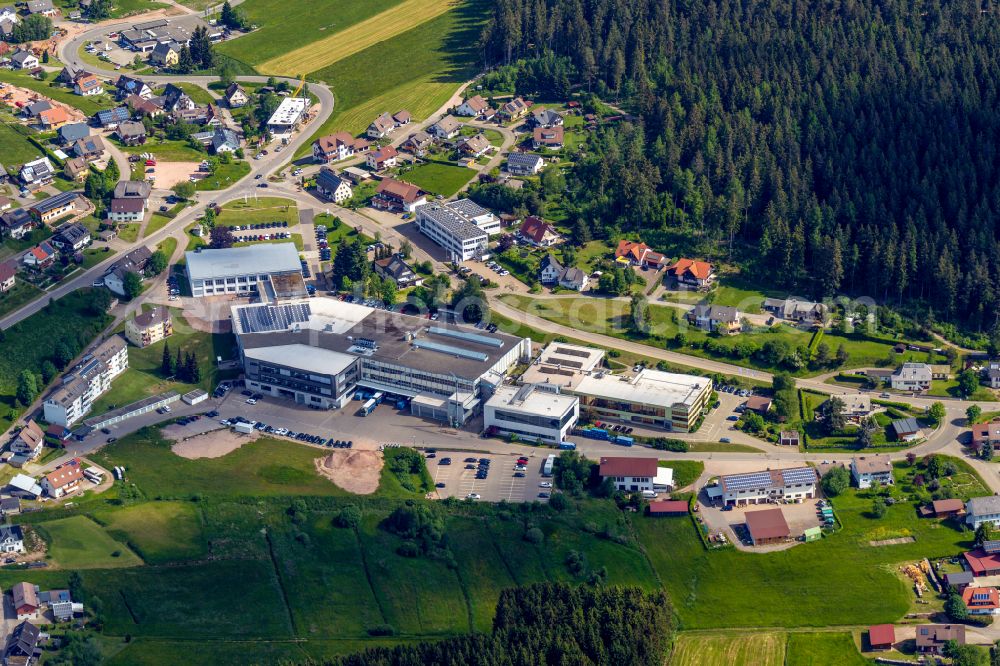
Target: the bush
(382, 630)
(836, 481)
(534, 535)
(668, 444)
(349, 516)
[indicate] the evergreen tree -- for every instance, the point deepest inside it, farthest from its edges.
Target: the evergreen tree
(179, 369)
(167, 361)
(27, 387)
(185, 61)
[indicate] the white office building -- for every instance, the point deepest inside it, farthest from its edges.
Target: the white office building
(287, 116)
(483, 218)
(239, 270)
(86, 382)
(531, 413)
(453, 231)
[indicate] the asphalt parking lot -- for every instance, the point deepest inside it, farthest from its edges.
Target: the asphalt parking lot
(500, 483)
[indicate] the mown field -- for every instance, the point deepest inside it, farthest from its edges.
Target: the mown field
(418, 70)
(262, 209)
(437, 178)
(822, 649)
(764, 648)
(16, 149)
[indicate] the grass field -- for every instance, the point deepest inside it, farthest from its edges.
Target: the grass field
(129, 232)
(16, 147)
(166, 150)
(418, 71)
(262, 209)
(765, 648)
(21, 293)
(823, 649)
(80, 543)
(686, 472)
(437, 178)
(88, 105)
(224, 176)
(157, 531)
(381, 27)
(283, 32)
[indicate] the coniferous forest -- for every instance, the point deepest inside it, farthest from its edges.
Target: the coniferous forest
(844, 146)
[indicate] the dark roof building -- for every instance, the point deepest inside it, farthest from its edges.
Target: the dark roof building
(931, 638)
(767, 526)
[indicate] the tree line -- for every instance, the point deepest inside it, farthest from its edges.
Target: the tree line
(832, 147)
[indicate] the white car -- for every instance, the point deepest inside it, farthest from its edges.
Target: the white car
(224, 422)
(473, 496)
(251, 401)
(544, 484)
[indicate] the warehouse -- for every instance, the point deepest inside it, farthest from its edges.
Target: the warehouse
(651, 397)
(318, 351)
(228, 270)
(531, 413)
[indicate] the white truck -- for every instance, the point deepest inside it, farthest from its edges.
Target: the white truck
(243, 427)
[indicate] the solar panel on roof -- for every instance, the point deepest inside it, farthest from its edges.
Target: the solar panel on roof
(448, 349)
(568, 363)
(469, 337)
(267, 318)
(800, 475)
(566, 351)
(751, 480)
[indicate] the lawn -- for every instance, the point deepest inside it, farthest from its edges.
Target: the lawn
(293, 238)
(283, 32)
(224, 176)
(88, 105)
(812, 585)
(823, 649)
(93, 256)
(765, 648)
(417, 70)
(123, 8)
(19, 295)
(143, 377)
(369, 32)
(129, 232)
(156, 222)
(166, 150)
(261, 209)
(80, 543)
(686, 472)
(16, 147)
(437, 178)
(197, 94)
(158, 531)
(168, 245)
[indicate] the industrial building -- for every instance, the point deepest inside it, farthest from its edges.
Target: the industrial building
(319, 351)
(458, 235)
(86, 382)
(531, 413)
(651, 397)
(287, 116)
(240, 270)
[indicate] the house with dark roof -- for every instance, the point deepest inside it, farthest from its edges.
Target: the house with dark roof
(235, 96)
(127, 210)
(569, 277)
(524, 164)
(58, 205)
(629, 474)
(225, 141)
(133, 262)
(396, 269)
(17, 223)
(90, 148)
(76, 168)
(381, 126)
(165, 54)
(513, 109)
(332, 186)
(73, 132)
(37, 173)
(547, 118)
(932, 638)
(112, 118)
(22, 59)
(959, 579)
(71, 237)
(22, 645)
(907, 430)
(127, 85)
(723, 319)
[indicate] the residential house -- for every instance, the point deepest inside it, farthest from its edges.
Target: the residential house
(11, 539)
(9, 14)
(546, 118)
(8, 276)
(90, 148)
(796, 309)
(550, 138)
(235, 96)
(127, 210)
(127, 85)
(395, 195)
(574, 278)
(767, 486)
(716, 318)
(22, 59)
(144, 107)
(43, 7)
(932, 638)
(881, 637)
(68, 74)
(982, 600)
(475, 146)
(132, 189)
(907, 430)
(401, 117)
(382, 158)
(112, 118)
(339, 146)
(22, 648)
(857, 406)
(165, 54)
(33, 110)
(333, 187)
(550, 270)
(28, 441)
(37, 173)
(472, 106)
(88, 85)
(90, 379)
(446, 128)
(199, 115)
(71, 238)
(175, 99)
(758, 403)
(418, 143)
(59, 205)
(225, 141)
(63, 480)
(993, 375)
(629, 474)
(133, 262)
(512, 110)
(131, 133)
(538, 232)
(17, 223)
(381, 126)
(25, 599)
(692, 272)
(76, 168)
(866, 470)
(73, 132)
(149, 327)
(524, 164)
(986, 432)
(53, 118)
(638, 254)
(767, 526)
(41, 256)
(979, 510)
(915, 377)
(396, 269)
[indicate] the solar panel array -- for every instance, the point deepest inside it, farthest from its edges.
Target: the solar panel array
(266, 318)
(991, 547)
(448, 349)
(747, 481)
(798, 475)
(566, 351)
(468, 337)
(367, 343)
(567, 362)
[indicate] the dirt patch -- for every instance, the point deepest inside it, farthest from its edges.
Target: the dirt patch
(892, 542)
(213, 444)
(354, 471)
(168, 174)
(17, 97)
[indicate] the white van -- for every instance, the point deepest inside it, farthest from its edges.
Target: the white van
(650, 494)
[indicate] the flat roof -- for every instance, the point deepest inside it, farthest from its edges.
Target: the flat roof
(323, 361)
(530, 400)
(649, 387)
(385, 337)
(575, 357)
(249, 260)
(452, 221)
(289, 111)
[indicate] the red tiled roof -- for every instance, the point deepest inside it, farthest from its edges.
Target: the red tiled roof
(631, 249)
(39, 253)
(767, 524)
(668, 506)
(698, 269)
(548, 135)
(621, 466)
(398, 190)
(7, 271)
(981, 562)
(65, 475)
(535, 228)
(881, 634)
(985, 431)
(981, 597)
(948, 505)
